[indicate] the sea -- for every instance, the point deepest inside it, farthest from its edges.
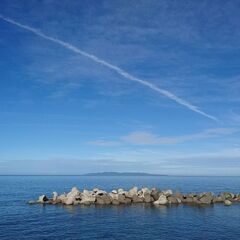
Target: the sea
(18, 220)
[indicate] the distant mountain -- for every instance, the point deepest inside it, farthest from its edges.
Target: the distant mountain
(122, 174)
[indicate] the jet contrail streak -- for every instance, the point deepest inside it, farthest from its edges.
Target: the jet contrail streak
(111, 66)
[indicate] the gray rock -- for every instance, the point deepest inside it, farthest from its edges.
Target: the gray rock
(206, 198)
(74, 192)
(179, 196)
(146, 191)
(227, 196)
(167, 193)
(72, 196)
(155, 194)
(147, 197)
(122, 199)
(227, 203)
(121, 191)
(162, 200)
(62, 198)
(70, 200)
(217, 199)
(115, 202)
(173, 200)
(103, 199)
(133, 191)
(55, 196)
(128, 200)
(87, 199)
(95, 190)
(100, 193)
(187, 200)
(42, 199)
(136, 199)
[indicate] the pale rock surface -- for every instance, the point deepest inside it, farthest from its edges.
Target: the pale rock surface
(55, 196)
(162, 200)
(227, 203)
(42, 199)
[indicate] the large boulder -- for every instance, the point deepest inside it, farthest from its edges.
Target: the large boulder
(147, 197)
(196, 200)
(187, 199)
(227, 196)
(206, 198)
(87, 198)
(167, 193)
(100, 193)
(173, 200)
(122, 199)
(162, 200)
(217, 199)
(119, 198)
(115, 202)
(73, 192)
(121, 191)
(179, 196)
(103, 199)
(227, 202)
(133, 191)
(70, 200)
(55, 196)
(62, 198)
(146, 190)
(73, 196)
(155, 194)
(114, 196)
(136, 199)
(42, 199)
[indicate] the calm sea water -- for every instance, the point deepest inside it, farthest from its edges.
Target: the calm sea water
(19, 220)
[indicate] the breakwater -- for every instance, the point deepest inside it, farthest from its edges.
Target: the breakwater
(134, 195)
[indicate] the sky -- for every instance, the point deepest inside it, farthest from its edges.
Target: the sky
(127, 85)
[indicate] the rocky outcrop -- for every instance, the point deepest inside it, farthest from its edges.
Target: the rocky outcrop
(136, 196)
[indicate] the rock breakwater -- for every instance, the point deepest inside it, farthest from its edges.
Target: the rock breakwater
(134, 195)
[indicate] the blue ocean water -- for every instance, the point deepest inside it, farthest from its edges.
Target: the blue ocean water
(19, 220)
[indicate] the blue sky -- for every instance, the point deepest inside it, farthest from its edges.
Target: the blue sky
(171, 106)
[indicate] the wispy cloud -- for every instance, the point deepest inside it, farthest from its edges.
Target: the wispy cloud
(104, 143)
(118, 70)
(148, 138)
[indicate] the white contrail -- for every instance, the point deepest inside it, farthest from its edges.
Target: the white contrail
(111, 66)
